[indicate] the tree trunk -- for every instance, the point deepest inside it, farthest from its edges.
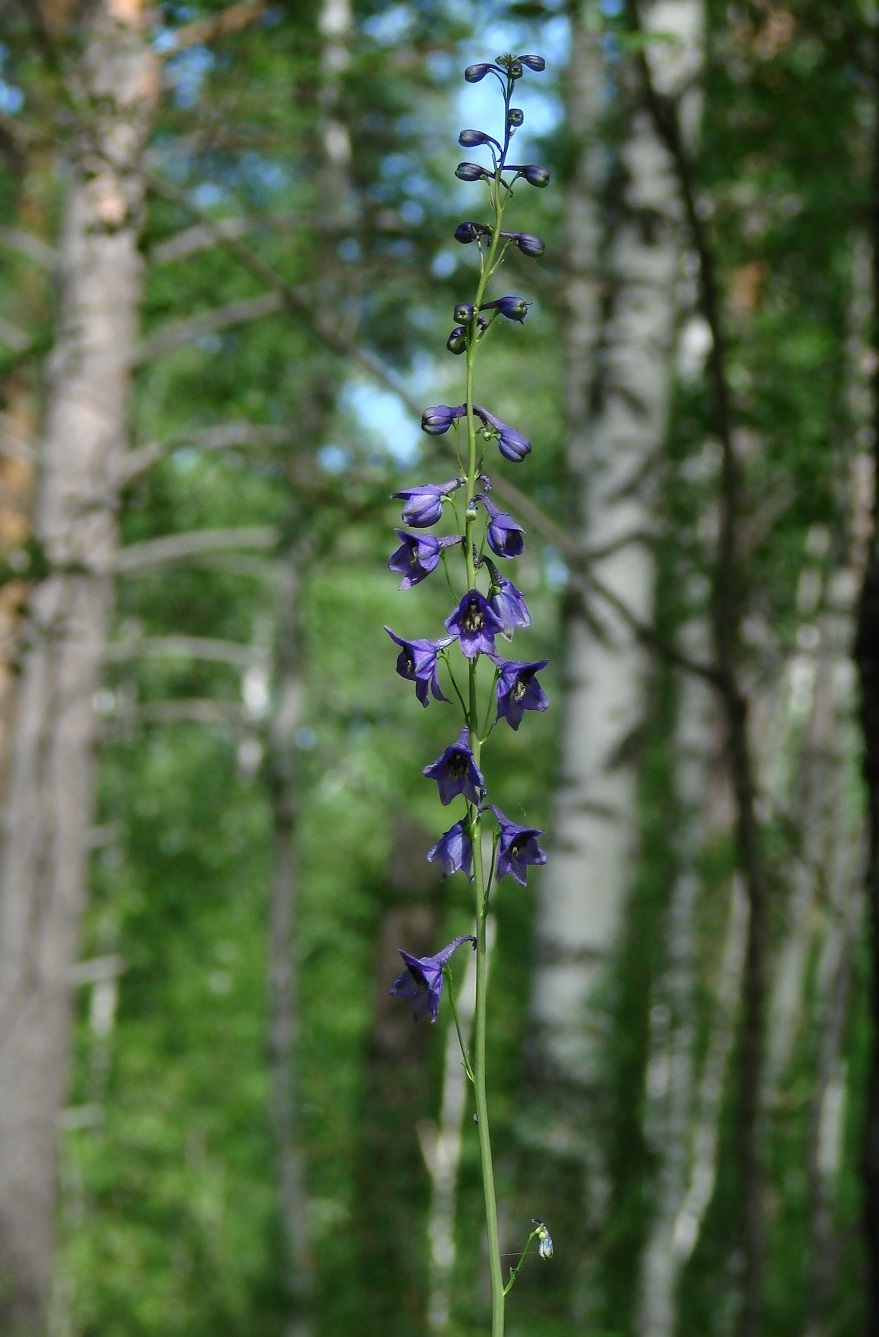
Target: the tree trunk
(670, 1094)
(314, 414)
(51, 793)
(867, 660)
(617, 397)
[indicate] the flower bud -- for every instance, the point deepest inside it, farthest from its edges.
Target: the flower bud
(471, 171)
(469, 231)
(514, 308)
(533, 62)
(514, 69)
(529, 244)
(515, 116)
(439, 419)
(464, 313)
(457, 340)
(470, 139)
(474, 73)
(534, 175)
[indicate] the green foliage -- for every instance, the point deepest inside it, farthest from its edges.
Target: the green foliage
(171, 1219)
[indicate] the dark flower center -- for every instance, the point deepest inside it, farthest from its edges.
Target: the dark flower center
(473, 618)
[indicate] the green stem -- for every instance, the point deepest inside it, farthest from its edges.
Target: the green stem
(464, 1055)
(514, 1271)
(479, 1085)
(488, 265)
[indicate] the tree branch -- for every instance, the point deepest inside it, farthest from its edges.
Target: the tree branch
(197, 710)
(29, 245)
(138, 557)
(229, 20)
(224, 436)
(182, 647)
(197, 238)
(179, 333)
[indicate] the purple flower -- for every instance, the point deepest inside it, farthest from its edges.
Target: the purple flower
(512, 444)
(533, 62)
(457, 340)
(456, 772)
(474, 73)
(517, 847)
(455, 851)
(470, 231)
(439, 419)
(418, 555)
(422, 980)
(506, 537)
(518, 689)
(475, 624)
(514, 308)
(506, 601)
(417, 662)
(424, 505)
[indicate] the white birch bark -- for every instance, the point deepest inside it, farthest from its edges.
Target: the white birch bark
(671, 1076)
(617, 414)
(51, 792)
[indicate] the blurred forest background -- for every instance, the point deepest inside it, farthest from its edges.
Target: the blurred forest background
(228, 274)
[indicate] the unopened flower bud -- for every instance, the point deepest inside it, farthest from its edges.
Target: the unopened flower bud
(529, 244)
(439, 419)
(533, 62)
(471, 171)
(515, 116)
(534, 175)
(457, 340)
(470, 231)
(464, 313)
(474, 73)
(470, 139)
(514, 69)
(514, 308)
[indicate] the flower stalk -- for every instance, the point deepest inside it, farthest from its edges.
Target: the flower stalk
(479, 618)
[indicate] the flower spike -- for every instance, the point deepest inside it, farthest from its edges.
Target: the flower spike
(491, 606)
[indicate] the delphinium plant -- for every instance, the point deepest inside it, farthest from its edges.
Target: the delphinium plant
(487, 688)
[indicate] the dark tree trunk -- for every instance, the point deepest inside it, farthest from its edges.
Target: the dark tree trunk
(867, 661)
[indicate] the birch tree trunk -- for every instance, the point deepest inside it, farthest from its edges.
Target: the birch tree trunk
(671, 1075)
(617, 396)
(51, 792)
